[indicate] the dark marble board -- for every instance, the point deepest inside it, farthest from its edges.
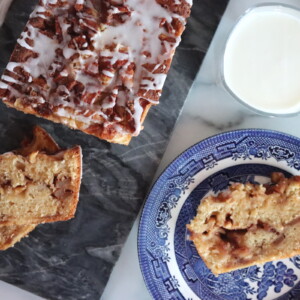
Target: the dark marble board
(73, 260)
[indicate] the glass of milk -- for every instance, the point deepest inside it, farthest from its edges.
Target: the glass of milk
(261, 63)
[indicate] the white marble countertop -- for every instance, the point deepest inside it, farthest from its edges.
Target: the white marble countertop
(10, 292)
(208, 110)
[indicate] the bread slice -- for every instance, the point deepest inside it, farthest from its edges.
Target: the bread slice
(248, 224)
(40, 142)
(39, 187)
(96, 66)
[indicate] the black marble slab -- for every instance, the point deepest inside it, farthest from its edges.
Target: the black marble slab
(73, 260)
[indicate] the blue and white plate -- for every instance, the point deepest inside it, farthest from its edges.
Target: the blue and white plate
(171, 267)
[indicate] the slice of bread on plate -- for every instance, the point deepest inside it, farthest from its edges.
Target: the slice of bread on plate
(248, 224)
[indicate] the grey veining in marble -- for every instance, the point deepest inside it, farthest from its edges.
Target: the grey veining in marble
(73, 260)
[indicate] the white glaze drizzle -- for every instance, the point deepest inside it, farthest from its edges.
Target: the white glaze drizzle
(3, 85)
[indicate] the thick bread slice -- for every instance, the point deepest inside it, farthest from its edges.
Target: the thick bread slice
(39, 187)
(248, 224)
(41, 140)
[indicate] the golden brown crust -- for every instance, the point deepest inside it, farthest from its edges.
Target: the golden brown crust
(76, 155)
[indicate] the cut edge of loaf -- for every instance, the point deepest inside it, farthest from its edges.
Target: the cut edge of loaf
(41, 140)
(74, 154)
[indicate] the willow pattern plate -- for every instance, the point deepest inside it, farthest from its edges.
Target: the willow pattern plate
(170, 265)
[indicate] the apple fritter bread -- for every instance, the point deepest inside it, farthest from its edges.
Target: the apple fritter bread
(38, 183)
(94, 65)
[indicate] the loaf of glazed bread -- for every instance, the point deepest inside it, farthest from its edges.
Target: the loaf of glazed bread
(94, 65)
(248, 224)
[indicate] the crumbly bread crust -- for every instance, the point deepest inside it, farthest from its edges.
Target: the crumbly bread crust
(94, 65)
(10, 235)
(23, 218)
(40, 141)
(248, 224)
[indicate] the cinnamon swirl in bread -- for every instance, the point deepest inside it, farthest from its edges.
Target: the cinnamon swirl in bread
(248, 224)
(94, 65)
